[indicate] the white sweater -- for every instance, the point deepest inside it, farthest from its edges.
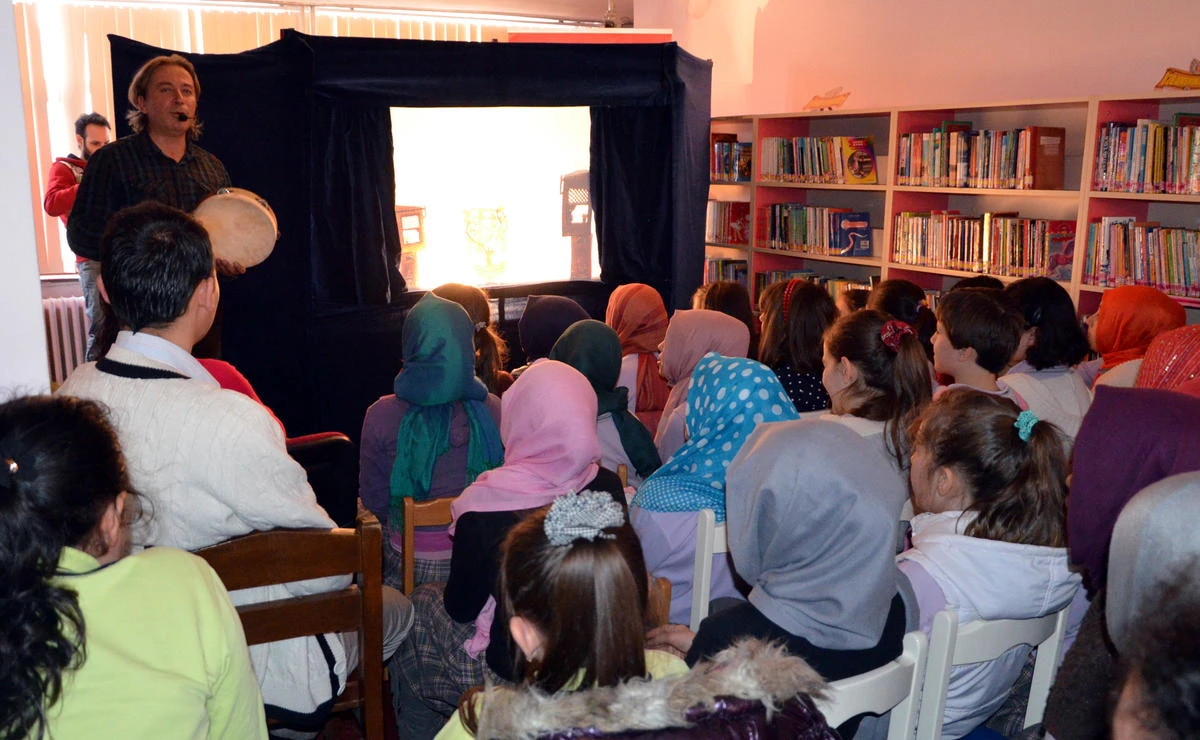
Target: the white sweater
(212, 464)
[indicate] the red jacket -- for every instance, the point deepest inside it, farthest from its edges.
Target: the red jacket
(65, 174)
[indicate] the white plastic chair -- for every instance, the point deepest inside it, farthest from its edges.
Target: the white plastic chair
(710, 541)
(987, 640)
(895, 687)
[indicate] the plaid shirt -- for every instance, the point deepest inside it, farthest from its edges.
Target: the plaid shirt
(131, 170)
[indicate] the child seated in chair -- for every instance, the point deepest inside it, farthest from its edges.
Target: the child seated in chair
(989, 487)
(975, 339)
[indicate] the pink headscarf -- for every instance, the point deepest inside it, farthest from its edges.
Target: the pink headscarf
(690, 336)
(548, 426)
(1172, 359)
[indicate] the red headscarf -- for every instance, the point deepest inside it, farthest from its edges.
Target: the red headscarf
(636, 312)
(1172, 359)
(1129, 318)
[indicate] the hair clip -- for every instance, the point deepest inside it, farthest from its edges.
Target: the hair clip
(891, 332)
(787, 295)
(582, 516)
(1024, 424)
(481, 325)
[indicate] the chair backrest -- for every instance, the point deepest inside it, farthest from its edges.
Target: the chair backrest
(285, 555)
(950, 645)
(710, 540)
(659, 607)
(895, 687)
(623, 474)
(432, 513)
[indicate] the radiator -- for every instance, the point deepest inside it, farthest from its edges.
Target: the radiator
(66, 335)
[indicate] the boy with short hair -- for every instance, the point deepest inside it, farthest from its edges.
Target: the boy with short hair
(975, 339)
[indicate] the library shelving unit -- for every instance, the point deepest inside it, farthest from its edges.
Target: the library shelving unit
(1076, 201)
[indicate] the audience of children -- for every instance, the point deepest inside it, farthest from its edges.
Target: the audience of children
(1042, 370)
(975, 340)
(491, 351)
(905, 301)
(728, 398)
(548, 427)
(592, 348)
(98, 642)
(1172, 359)
(989, 488)
(542, 322)
(732, 299)
(795, 315)
(430, 438)
(636, 312)
(1129, 318)
(690, 336)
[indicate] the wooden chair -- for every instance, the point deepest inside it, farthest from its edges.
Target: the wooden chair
(659, 607)
(710, 540)
(623, 474)
(286, 555)
(950, 645)
(432, 513)
(895, 687)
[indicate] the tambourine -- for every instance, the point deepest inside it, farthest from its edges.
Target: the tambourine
(241, 226)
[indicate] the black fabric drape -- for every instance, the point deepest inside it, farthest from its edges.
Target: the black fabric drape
(355, 244)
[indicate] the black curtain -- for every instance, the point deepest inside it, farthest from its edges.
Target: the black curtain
(355, 244)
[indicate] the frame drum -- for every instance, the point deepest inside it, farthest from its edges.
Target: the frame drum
(240, 224)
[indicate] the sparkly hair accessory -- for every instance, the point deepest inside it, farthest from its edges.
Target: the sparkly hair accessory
(892, 331)
(787, 295)
(582, 516)
(1024, 424)
(480, 325)
(11, 471)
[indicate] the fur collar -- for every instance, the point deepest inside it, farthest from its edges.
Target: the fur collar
(750, 669)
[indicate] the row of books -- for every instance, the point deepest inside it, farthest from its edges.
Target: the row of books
(731, 159)
(835, 285)
(841, 160)
(1150, 156)
(954, 156)
(1123, 251)
(1001, 244)
(817, 229)
(734, 271)
(728, 222)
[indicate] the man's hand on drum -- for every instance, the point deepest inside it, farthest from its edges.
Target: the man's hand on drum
(229, 268)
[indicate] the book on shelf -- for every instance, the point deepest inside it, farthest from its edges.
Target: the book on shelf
(796, 227)
(734, 271)
(852, 234)
(858, 160)
(1003, 244)
(955, 156)
(729, 158)
(728, 222)
(834, 285)
(821, 160)
(1148, 156)
(1124, 251)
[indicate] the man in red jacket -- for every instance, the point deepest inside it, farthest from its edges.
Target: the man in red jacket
(91, 132)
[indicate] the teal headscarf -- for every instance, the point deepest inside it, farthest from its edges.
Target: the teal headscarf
(439, 370)
(592, 348)
(728, 399)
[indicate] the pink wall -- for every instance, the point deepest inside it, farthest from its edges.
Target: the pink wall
(771, 56)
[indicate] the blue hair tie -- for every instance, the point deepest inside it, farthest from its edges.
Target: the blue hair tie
(1024, 424)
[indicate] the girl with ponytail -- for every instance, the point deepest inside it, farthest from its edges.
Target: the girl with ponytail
(491, 351)
(95, 642)
(989, 488)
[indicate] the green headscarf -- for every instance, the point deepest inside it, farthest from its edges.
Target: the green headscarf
(439, 370)
(592, 348)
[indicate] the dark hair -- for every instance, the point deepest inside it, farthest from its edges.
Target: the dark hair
(491, 351)
(89, 119)
(975, 318)
(905, 300)
(140, 85)
(795, 340)
(1019, 487)
(588, 599)
(894, 384)
(1046, 307)
(1164, 660)
(69, 470)
(152, 258)
(856, 298)
(733, 299)
(978, 281)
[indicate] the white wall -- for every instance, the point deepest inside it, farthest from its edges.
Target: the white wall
(23, 364)
(771, 56)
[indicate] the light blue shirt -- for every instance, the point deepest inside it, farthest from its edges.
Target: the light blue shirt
(169, 353)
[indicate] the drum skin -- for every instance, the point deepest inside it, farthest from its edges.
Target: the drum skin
(241, 225)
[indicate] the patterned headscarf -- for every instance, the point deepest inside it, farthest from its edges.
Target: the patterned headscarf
(636, 312)
(1129, 318)
(729, 398)
(1172, 359)
(439, 371)
(592, 348)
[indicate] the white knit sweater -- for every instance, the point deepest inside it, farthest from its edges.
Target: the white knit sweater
(211, 464)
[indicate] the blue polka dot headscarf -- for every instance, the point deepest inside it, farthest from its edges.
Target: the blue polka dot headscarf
(729, 397)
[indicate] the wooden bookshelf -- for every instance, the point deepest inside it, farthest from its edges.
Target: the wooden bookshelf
(1078, 200)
